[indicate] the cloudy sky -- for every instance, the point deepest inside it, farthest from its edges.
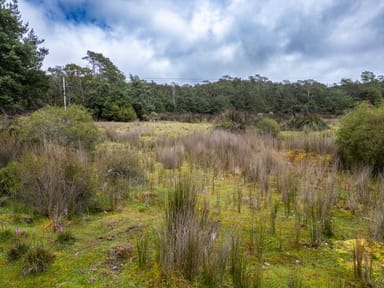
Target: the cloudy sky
(196, 40)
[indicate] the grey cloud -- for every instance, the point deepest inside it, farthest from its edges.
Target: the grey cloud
(309, 39)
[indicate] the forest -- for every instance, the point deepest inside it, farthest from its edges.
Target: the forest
(114, 182)
(104, 90)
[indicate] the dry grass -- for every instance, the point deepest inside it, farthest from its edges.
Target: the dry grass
(171, 156)
(316, 142)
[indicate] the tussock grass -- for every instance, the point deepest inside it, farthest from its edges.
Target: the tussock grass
(293, 215)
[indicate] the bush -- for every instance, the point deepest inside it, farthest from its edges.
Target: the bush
(8, 179)
(119, 169)
(73, 127)
(268, 126)
(307, 121)
(171, 156)
(10, 147)
(37, 260)
(360, 138)
(53, 181)
(119, 112)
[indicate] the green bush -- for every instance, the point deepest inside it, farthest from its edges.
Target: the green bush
(123, 113)
(268, 126)
(8, 179)
(73, 127)
(360, 138)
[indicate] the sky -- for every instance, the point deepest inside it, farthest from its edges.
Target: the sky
(192, 41)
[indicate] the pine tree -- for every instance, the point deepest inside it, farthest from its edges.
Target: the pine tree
(23, 85)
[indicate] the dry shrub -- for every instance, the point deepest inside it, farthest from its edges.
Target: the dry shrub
(225, 151)
(37, 260)
(360, 198)
(377, 226)
(54, 181)
(218, 149)
(10, 148)
(259, 166)
(119, 168)
(171, 157)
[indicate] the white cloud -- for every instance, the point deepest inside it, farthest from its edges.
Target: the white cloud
(293, 39)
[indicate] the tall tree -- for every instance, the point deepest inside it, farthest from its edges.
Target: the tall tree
(23, 85)
(103, 67)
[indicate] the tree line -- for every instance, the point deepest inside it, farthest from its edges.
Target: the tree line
(104, 90)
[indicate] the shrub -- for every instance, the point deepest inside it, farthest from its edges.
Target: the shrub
(119, 112)
(37, 260)
(17, 250)
(119, 169)
(73, 127)
(8, 179)
(360, 138)
(10, 147)
(308, 121)
(171, 157)
(53, 181)
(268, 126)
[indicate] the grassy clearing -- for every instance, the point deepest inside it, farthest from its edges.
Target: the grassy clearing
(243, 216)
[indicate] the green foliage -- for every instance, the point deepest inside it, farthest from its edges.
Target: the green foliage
(226, 124)
(371, 94)
(142, 248)
(72, 127)
(360, 138)
(22, 83)
(312, 122)
(140, 97)
(268, 126)
(5, 234)
(119, 112)
(37, 260)
(8, 179)
(103, 67)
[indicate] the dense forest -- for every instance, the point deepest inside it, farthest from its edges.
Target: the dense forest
(102, 88)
